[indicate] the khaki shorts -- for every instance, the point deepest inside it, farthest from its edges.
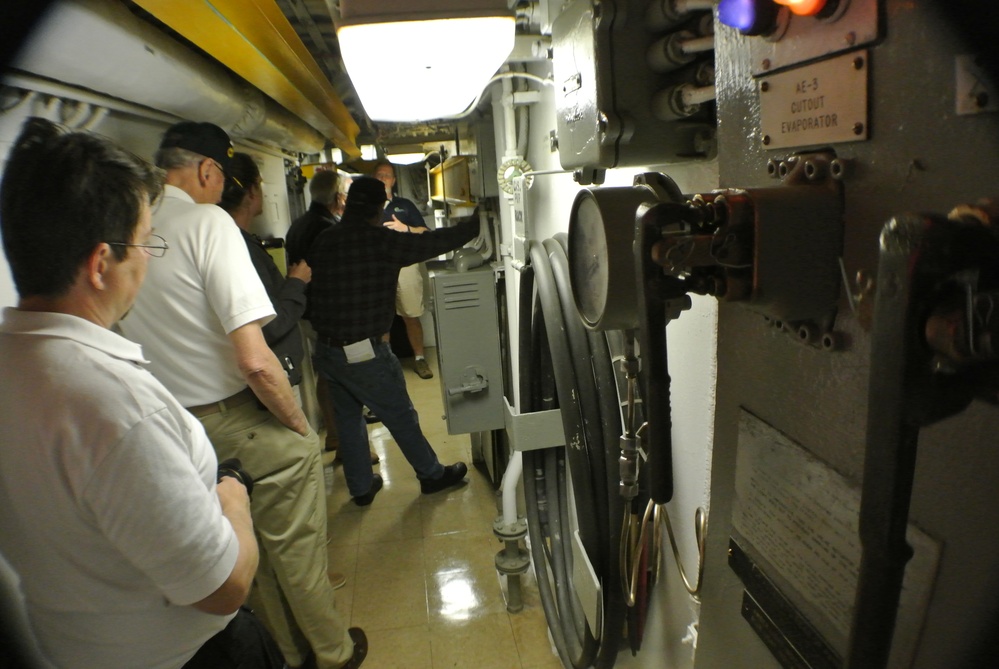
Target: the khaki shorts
(409, 292)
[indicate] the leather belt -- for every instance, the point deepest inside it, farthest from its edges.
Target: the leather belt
(340, 343)
(242, 397)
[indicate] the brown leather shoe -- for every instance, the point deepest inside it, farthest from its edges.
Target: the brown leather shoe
(422, 369)
(360, 648)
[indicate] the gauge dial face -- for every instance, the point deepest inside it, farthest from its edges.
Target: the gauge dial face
(601, 257)
(588, 262)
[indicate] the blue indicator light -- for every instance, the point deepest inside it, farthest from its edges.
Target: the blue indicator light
(750, 17)
(738, 14)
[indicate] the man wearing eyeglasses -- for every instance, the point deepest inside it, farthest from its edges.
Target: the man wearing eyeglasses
(130, 551)
(199, 320)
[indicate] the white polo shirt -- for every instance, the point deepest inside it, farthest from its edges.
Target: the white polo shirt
(202, 289)
(107, 490)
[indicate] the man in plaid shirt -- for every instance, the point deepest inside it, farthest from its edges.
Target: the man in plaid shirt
(355, 269)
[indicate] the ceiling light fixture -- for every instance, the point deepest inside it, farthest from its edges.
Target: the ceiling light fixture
(419, 60)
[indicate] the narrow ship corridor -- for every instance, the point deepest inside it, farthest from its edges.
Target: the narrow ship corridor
(421, 580)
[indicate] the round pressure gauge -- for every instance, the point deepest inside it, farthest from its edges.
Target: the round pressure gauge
(602, 266)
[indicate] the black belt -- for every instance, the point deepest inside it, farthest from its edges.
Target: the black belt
(340, 343)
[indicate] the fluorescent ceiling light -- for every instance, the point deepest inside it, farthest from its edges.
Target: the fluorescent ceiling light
(440, 64)
(405, 158)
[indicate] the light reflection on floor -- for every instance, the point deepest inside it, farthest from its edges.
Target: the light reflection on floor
(420, 570)
(459, 600)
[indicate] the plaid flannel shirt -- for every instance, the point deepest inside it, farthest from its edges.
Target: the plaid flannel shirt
(355, 269)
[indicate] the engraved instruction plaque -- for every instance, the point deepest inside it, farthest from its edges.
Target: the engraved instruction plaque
(799, 519)
(824, 103)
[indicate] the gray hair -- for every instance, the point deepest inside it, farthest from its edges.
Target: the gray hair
(175, 158)
(324, 187)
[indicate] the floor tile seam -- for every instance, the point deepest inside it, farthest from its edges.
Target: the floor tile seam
(395, 542)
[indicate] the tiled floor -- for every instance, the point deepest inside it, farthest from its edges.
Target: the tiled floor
(420, 574)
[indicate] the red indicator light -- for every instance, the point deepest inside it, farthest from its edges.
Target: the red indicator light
(803, 7)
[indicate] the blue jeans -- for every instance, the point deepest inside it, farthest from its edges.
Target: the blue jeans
(379, 385)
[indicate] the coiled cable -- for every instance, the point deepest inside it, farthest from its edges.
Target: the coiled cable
(586, 392)
(545, 489)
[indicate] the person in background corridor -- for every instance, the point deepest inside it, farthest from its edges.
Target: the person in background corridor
(402, 215)
(355, 271)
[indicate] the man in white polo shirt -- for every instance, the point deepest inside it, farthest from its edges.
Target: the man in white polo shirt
(199, 320)
(130, 551)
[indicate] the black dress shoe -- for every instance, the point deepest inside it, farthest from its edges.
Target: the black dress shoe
(453, 474)
(369, 497)
(360, 648)
(370, 418)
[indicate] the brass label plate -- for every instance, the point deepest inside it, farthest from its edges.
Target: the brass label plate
(820, 104)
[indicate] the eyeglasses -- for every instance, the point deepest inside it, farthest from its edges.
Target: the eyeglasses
(155, 250)
(218, 165)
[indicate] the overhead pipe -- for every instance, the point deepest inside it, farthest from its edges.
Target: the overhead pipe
(38, 86)
(138, 62)
(75, 116)
(100, 113)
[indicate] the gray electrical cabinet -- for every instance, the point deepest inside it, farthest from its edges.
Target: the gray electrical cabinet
(466, 322)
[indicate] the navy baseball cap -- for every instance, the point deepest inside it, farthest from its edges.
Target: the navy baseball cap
(206, 139)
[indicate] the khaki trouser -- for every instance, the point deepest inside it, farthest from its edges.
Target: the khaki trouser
(292, 591)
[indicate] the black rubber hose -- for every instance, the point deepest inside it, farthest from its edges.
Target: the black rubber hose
(569, 617)
(534, 464)
(527, 356)
(592, 452)
(598, 420)
(538, 513)
(604, 450)
(615, 607)
(541, 493)
(579, 639)
(573, 620)
(567, 399)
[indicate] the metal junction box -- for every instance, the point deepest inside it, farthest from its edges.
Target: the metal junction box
(604, 92)
(466, 322)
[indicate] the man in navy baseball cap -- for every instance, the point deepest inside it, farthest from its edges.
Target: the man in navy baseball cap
(206, 139)
(199, 319)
